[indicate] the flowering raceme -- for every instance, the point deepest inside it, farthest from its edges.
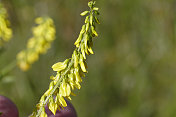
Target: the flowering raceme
(43, 35)
(70, 71)
(5, 31)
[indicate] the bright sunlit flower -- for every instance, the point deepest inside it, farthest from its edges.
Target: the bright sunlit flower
(70, 72)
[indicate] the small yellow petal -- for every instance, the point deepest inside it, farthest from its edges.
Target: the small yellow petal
(59, 66)
(69, 98)
(87, 19)
(78, 78)
(68, 90)
(62, 101)
(75, 59)
(79, 39)
(83, 29)
(62, 89)
(81, 62)
(90, 50)
(52, 105)
(83, 51)
(77, 85)
(87, 27)
(43, 113)
(73, 94)
(93, 31)
(84, 13)
(91, 19)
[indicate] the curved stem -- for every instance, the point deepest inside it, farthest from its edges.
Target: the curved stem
(56, 86)
(7, 69)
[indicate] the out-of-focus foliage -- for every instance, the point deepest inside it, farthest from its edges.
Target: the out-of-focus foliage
(133, 71)
(5, 31)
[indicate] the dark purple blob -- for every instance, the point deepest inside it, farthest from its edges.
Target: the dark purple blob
(68, 111)
(7, 108)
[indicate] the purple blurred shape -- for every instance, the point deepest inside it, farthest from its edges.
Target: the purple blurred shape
(68, 111)
(7, 108)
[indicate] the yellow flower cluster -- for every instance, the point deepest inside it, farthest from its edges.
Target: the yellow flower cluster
(5, 31)
(43, 35)
(70, 71)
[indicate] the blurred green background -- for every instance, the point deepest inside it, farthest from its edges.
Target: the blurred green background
(133, 71)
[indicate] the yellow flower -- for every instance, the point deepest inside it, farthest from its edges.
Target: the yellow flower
(60, 66)
(43, 114)
(62, 100)
(5, 31)
(69, 72)
(43, 35)
(52, 105)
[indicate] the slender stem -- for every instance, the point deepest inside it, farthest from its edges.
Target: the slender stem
(7, 69)
(71, 63)
(56, 86)
(46, 100)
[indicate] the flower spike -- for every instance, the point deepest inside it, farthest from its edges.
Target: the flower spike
(70, 71)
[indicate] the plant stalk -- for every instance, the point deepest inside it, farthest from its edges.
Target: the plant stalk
(55, 87)
(7, 69)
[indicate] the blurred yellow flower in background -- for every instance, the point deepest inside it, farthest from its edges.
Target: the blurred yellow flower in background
(5, 31)
(43, 35)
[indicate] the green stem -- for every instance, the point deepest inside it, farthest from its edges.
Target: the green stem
(80, 50)
(56, 86)
(7, 69)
